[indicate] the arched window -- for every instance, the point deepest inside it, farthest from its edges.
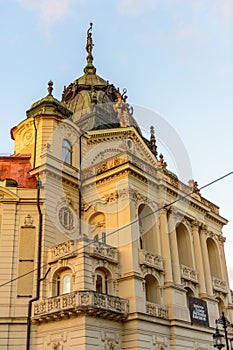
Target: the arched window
(147, 229)
(62, 282)
(66, 152)
(214, 259)
(97, 227)
(102, 281)
(152, 289)
(66, 284)
(184, 246)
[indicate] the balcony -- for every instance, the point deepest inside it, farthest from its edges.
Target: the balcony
(219, 285)
(86, 302)
(188, 274)
(156, 310)
(104, 251)
(151, 260)
(62, 251)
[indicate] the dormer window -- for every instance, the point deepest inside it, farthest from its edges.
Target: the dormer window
(66, 152)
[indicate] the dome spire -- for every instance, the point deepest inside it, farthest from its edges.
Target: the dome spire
(89, 69)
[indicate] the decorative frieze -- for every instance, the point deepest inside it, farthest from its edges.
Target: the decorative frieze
(151, 260)
(103, 251)
(219, 285)
(188, 273)
(156, 310)
(62, 251)
(80, 301)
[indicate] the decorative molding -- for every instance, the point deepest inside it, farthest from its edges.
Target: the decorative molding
(88, 302)
(110, 340)
(219, 285)
(188, 273)
(28, 221)
(105, 252)
(151, 260)
(156, 310)
(127, 192)
(62, 251)
(28, 136)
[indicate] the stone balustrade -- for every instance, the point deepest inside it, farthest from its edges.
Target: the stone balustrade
(105, 252)
(188, 273)
(151, 260)
(75, 302)
(62, 251)
(219, 285)
(156, 310)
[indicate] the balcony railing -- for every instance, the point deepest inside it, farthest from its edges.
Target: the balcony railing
(219, 285)
(156, 310)
(104, 251)
(62, 251)
(188, 273)
(89, 302)
(151, 260)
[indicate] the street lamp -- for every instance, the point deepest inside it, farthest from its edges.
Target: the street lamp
(218, 336)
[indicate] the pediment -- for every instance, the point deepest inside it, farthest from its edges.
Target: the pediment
(6, 194)
(104, 145)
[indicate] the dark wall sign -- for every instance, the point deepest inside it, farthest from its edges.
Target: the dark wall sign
(198, 311)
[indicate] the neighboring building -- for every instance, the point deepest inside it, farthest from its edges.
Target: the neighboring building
(121, 268)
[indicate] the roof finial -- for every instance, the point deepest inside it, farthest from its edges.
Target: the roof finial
(89, 46)
(50, 87)
(153, 141)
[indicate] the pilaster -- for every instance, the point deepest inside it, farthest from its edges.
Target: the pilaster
(174, 248)
(199, 258)
(165, 246)
(206, 263)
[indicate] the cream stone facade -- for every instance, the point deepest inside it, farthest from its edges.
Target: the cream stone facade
(101, 246)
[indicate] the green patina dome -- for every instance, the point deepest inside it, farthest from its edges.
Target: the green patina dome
(49, 105)
(95, 103)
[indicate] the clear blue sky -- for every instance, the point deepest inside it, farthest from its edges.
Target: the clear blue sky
(174, 57)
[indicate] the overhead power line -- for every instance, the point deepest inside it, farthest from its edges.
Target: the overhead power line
(127, 225)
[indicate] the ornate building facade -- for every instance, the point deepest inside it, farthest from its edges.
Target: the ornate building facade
(102, 247)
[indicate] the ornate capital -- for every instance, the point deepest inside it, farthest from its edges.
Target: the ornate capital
(222, 239)
(163, 211)
(203, 228)
(195, 224)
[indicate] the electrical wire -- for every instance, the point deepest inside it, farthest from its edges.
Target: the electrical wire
(127, 225)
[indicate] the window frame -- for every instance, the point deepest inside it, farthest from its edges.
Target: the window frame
(67, 152)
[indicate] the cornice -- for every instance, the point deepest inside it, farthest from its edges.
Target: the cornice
(53, 172)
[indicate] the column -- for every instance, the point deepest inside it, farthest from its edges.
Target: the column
(158, 237)
(205, 255)
(165, 246)
(198, 258)
(224, 265)
(174, 248)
